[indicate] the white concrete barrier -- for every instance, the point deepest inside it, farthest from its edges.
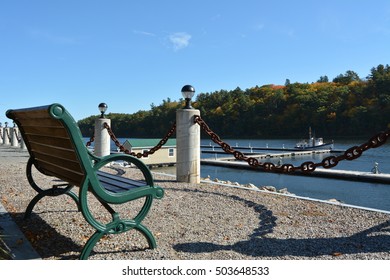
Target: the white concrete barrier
(188, 146)
(102, 138)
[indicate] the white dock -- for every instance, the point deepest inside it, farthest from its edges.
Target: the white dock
(295, 153)
(319, 172)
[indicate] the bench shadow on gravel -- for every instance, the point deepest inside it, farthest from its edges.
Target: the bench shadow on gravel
(372, 240)
(49, 243)
(45, 239)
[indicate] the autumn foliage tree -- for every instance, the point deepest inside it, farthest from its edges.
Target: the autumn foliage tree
(348, 106)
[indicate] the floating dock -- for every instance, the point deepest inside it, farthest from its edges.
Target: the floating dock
(292, 153)
(319, 172)
(213, 148)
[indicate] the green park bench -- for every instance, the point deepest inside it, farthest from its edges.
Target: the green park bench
(57, 149)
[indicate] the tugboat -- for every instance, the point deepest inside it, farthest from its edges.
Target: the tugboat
(313, 143)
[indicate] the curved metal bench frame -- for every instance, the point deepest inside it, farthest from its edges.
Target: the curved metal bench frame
(56, 148)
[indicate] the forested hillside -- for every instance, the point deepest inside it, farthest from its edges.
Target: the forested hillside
(344, 107)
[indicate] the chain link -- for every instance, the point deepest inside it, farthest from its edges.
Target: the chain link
(145, 153)
(306, 167)
(90, 141)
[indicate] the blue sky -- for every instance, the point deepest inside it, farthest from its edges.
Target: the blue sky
(131, 54)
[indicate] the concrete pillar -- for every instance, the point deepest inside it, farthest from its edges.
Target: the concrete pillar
(14, 136)
(22, 144)
(188, 146)
(1, 134)
(102, 138)
(6, 136)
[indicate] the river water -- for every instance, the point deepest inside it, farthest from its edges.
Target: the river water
(371, 195)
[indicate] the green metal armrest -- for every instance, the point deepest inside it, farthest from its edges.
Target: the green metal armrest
(56, 148)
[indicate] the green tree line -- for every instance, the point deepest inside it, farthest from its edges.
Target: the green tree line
(347, 106)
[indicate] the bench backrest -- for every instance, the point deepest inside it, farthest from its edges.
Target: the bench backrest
(53, 140)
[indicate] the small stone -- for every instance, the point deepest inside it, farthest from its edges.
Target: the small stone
(284, 191)
(268, 188)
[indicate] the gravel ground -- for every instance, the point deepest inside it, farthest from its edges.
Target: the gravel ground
(206, 221)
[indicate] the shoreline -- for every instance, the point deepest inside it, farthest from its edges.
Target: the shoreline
(274, 191)
(199, 222)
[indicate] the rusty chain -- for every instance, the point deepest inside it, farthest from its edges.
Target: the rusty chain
(306, 167)
(90, 141)
(145, 153)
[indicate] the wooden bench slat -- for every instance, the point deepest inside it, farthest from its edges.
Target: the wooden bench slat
(65, 163)
(112, 188)
(43, 122)
(49, 131)
(116, 183)
(60, 172)
(50, 141)
(30, 113)
(67, 154)
(33, 115)
(119, 185)
(121, 179)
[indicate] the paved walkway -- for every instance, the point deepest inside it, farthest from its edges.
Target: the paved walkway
(14, 239)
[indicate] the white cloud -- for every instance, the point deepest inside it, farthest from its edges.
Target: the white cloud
(179, 40)
(139, 32)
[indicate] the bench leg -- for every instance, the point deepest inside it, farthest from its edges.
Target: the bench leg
(99, 234)
(49, 192)
(148, 235)
(54, 191)
(90, 244)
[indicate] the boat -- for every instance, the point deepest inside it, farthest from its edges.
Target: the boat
(313, 143)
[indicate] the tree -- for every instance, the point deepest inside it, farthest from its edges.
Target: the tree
(347, 106)
(347, 78)
(323, 79)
